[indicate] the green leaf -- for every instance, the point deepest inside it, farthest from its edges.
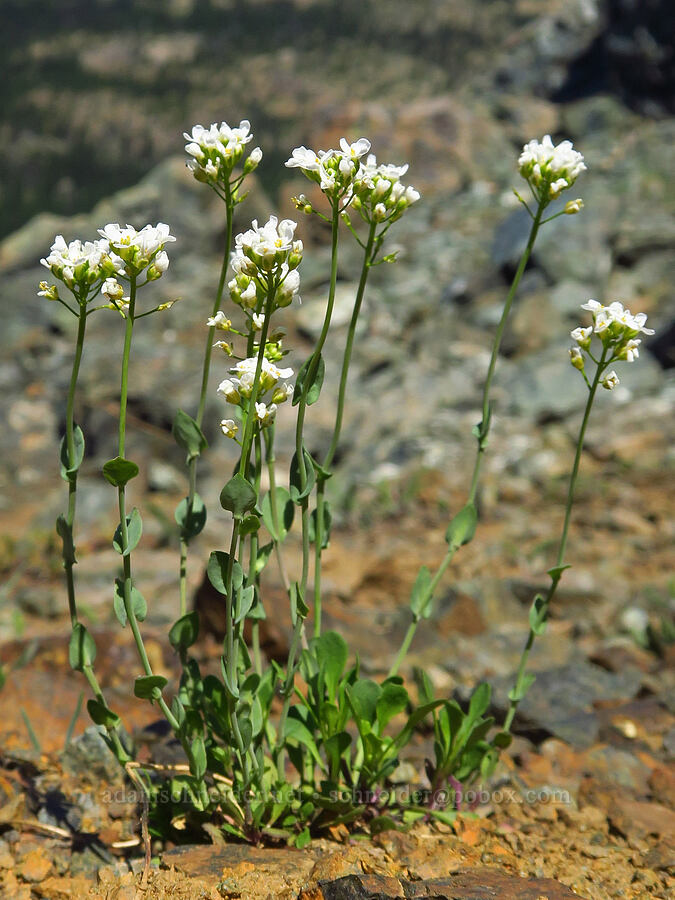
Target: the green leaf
(191, 522)
(244, 603)
(81, 648)
(303, 839)
(246, 732)
(363, 697)
(421, 599)
(383, 823)
(391, 701)
(231, 689)
(188, 435)
(134, 532)
(312, 388)
(263, 556)
(101, 715)
(331, 653)
(65, 532)
(538, 612)
(296, 730)
(138, 604)
(447, 818)
(298, 605)
(238, 496)
(249, 525)
(325, 530)
(119, 471)
(178, 711)
(463, 527)
(185, 631)
(198, 757)
(480, 700)
(149, 687)
(217, 571)
(516, 694)
(336, 746)
(297, 491)
(556, 572)
(68, 472)
(502, 740)
(285, 513)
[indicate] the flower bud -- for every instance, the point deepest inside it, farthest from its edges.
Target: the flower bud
(225, 347)
(610, 381)
(253, 160)
(50, 291)
(576, 358)
(572, 207)
(229, 427)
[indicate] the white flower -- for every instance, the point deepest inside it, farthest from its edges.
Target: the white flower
(225, 347)
(216, 149)
(582, 336)
(112, 289)
(355, 150)
(631, 350)
(303, 158)
(137, 249)
(550, 169)
(219, 321)
(266, 246)
(258, 320)
(264, 413)
(76, 261)
(229, 427)
(610, 380)
(592, 305)
(161, 262)
(229, 390)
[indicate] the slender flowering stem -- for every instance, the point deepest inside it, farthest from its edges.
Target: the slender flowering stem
(556, 573)
(337, 428)
(485, 424)
(302, 405)
(121, 496)
(483, 428)
(208, 350)
(69, 561)
(270, 460)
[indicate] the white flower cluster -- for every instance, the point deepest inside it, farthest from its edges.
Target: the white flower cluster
(379, 194)
(333, 170)
(618, 330)
(271, 391)
(216, 150)
(78, 265)
(133, 251)
(262, 254)
(550, 169)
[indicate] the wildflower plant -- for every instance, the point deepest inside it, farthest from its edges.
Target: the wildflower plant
(283, 752)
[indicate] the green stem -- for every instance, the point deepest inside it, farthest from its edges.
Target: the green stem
(519, 689)
(208, 350)
(485, 423)
(484, 427)
(270, 460)
(121, 497)
(70, 444)
(302, 405)
(412, 628)
(253, 558)
(287, 694)
(337, 428)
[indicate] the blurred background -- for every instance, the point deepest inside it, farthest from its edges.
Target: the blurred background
(95, 97)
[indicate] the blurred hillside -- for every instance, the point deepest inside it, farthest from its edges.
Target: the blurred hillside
(96, 92)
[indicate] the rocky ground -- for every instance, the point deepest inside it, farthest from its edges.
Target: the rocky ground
(585, 795)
